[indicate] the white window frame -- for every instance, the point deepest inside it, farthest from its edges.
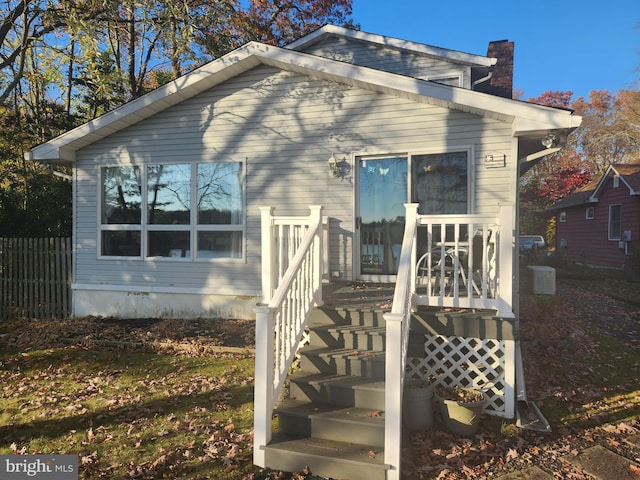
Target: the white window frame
(469, 150)
(611, 235)
(193, 227)
(562, 216)
(589, 213)
(446, 75)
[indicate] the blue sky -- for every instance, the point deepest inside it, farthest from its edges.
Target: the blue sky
(561, 45)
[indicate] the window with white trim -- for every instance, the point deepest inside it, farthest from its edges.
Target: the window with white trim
(590, 213)
(452, 81)
(451, 78)
(441, 182)
(615, 222)
(562, 216)
(176, 211)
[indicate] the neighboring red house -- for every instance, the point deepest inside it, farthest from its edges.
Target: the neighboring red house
(599, 224)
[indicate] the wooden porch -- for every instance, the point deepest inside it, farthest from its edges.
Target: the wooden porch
(447, 319)
(478, 340)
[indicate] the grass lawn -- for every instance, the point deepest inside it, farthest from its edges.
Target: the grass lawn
(181, 408)
(130, 414)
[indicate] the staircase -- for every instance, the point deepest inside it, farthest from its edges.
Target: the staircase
(333, 420)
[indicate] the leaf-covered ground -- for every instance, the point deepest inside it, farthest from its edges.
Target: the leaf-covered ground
(173, 398)
(581, 353)
(134, 399)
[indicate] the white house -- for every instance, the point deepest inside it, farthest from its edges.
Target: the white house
(194, 200)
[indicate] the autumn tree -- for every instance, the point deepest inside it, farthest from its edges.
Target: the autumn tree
(33, 202)
(609, 133)
(66, 62)
(610, 130)
(278, 22)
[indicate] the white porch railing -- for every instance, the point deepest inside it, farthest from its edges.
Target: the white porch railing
(398, 322)
(292, 268)
(459, 266)
(459, 261)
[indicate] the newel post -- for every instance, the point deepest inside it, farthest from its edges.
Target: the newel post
(394, 386)
(412, 218)
(506, 251)
(263, 383)
(315, 220)
(268, 253)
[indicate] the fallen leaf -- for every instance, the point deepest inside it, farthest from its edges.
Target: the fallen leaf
(512, 454)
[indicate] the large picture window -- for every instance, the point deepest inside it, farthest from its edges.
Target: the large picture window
(191, 211)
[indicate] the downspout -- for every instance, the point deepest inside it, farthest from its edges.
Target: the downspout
(482, 80)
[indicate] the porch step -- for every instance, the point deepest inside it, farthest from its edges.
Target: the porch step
(344, 316)
(333, 420)
(347, 391)
(330, 422)
(327, 458)
(343, 361)
(349, 336)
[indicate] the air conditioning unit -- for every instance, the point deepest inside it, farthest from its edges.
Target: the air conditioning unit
(543, 280)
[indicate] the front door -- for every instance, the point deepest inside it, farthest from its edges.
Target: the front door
(382, 193)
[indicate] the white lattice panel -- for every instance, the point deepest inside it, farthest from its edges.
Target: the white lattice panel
(470, 362)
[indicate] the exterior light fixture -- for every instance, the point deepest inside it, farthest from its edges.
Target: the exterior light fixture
(549, 140)
(333, 166)
(338, 168)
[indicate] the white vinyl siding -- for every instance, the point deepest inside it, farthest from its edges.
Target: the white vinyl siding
(390, 60)
(284, 127)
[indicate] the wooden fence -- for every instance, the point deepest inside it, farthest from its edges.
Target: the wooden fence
(35, 277)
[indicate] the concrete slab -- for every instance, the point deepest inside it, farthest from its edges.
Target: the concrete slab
(531, 473)
(603, 464)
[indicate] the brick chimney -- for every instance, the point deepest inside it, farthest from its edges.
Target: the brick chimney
(501, 82)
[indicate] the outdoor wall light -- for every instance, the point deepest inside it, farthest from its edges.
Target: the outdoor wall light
(549, 140)
(338, 168)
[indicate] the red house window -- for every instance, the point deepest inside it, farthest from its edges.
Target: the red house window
(615, 222)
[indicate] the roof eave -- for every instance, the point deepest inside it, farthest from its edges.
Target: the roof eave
(62, 149)
(421, 48)
(527, 119)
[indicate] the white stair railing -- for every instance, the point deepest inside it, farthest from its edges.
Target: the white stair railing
(292, 263)
(398, 323)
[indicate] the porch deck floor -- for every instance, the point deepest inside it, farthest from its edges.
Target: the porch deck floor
(371, 296)
(359, 295)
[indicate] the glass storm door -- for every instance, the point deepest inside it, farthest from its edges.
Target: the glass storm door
(381, 198)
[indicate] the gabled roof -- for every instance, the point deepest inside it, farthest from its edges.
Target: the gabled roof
(526, 119)
(629, 174)
(396, 43)
(581, 196)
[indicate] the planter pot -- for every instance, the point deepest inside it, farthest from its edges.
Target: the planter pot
(460, 417)
(417, 405)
